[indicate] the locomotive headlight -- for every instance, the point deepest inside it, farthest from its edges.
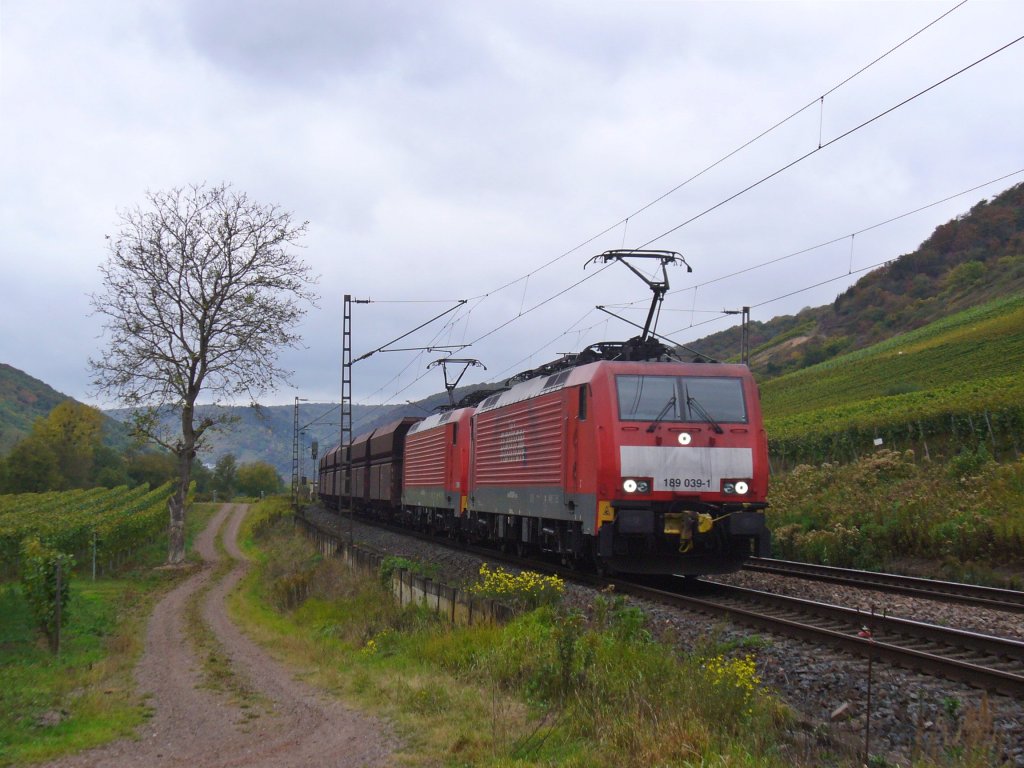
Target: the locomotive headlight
(738, 487)
(636, 484)
(685, 438)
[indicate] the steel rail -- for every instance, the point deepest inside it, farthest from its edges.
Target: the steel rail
(1009, 600)
(995, 664)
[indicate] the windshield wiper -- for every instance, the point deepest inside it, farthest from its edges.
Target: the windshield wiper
(654, 424)
(692, 403)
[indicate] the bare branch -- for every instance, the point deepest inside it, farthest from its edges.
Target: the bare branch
(202, 287)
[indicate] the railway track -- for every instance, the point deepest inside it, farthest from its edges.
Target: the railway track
(1010, 600)
(980, 661)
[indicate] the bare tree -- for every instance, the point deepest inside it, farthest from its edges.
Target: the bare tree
(201, 289)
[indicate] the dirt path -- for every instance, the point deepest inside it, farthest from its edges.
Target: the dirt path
(194, 726)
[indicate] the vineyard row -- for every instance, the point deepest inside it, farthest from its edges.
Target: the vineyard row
(946, 434)
(106, 522)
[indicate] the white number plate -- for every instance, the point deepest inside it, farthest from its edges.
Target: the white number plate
(685, 484)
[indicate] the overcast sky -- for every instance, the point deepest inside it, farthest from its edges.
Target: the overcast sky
(442, 150)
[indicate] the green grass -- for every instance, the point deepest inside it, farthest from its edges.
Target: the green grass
(218, 673)
(49, 705)
(83, 698)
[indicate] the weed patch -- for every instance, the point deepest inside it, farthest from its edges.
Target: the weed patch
(887, 507)
(418, 568)
(523, 590)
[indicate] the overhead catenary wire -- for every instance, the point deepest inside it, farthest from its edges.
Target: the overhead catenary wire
(383, 348)
(821, 283)
(416, 360)
(539, 304)
(411, 301)
(324, 415)
(570, 329)
(723, 314)
(498, 375)
(719, 314)
(829, 143)
(896, 47)
(831, 241)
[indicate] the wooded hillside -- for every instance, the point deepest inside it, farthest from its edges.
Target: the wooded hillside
(23, 399)
(966, 262)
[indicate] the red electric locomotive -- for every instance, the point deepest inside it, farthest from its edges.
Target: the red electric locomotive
(658, 467)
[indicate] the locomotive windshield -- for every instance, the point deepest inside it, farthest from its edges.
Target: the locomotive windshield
(681, 398)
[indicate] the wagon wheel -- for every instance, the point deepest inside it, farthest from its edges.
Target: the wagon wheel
(601, 567)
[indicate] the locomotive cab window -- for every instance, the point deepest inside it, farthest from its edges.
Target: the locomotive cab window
(681, 398)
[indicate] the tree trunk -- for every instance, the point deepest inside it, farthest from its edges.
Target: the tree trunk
(179, 499)
(176, 507)
(176, 529)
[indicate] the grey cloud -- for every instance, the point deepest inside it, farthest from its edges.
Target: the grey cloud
(311, 42)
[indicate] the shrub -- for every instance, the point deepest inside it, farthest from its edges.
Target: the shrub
(40, 565)
(734, 679)
(969, 462)
(523, 591)
(393, 563)
(616, 616)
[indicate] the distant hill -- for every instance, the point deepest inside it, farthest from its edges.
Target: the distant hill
(23, 399)
(966, 262)
(265, 433)
(259, 434)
